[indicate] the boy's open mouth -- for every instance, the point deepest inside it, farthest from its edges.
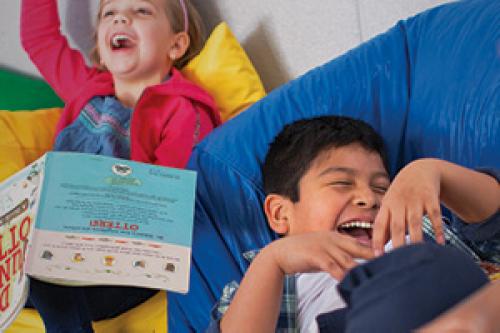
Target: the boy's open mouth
(361, 230)
(121, 41)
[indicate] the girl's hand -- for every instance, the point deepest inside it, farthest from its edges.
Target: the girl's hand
(327, 251)
(414, 192)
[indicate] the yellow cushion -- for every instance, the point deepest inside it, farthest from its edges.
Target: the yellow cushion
(225, 71)
(222, 68)
(151, 316)
(147, 317)
(25, 136)
(28, 321)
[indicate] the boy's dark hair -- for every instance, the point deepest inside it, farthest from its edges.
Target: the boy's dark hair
(298, 144)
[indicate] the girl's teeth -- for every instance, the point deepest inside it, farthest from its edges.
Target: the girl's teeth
(116, 40)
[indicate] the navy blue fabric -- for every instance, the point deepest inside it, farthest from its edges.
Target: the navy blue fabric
(403, 289)
(430, 86)
(71, 309)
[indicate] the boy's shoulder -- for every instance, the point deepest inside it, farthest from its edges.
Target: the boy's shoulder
(287, 321)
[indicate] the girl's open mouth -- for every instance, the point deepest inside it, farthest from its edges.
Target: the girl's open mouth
(120, 42)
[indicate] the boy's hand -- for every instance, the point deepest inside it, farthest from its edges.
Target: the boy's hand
(327, 251)
(476, 314)
(452, 323)
(414, 192)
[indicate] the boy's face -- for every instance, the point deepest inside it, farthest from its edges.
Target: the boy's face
(342, 190)
(135, 38)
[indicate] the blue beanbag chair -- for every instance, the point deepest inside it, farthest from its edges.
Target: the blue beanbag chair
(430, 86)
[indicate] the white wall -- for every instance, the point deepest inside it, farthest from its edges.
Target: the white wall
(284, 38)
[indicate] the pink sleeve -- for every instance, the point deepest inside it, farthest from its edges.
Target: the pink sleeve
(183, 131)
(62, 67)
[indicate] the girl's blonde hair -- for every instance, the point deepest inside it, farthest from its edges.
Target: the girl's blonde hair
(175, 15)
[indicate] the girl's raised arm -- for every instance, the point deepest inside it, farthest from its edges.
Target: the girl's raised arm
(62, 67)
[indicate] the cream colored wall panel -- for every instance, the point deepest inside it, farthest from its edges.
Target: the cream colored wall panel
(379, 15)
(79, 29)
(284, 39)
(11, 53)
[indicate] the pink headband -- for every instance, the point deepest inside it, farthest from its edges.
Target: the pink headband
(185, 12)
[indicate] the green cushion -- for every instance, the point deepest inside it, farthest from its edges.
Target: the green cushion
(23, 92)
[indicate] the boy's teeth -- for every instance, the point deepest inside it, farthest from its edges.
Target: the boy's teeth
(357, 224)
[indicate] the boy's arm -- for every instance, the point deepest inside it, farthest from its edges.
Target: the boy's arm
(478, 313)
(256, 305)
(471, 195)
(419, 188)
(62, 67)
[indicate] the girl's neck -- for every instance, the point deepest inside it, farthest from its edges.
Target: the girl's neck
(128, 92)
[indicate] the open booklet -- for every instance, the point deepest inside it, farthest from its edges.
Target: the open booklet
(81, 219)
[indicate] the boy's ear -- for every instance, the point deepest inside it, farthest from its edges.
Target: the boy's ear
(179, 46)
(277, 210)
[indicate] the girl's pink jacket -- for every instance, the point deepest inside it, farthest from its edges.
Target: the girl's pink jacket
(168, 120)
